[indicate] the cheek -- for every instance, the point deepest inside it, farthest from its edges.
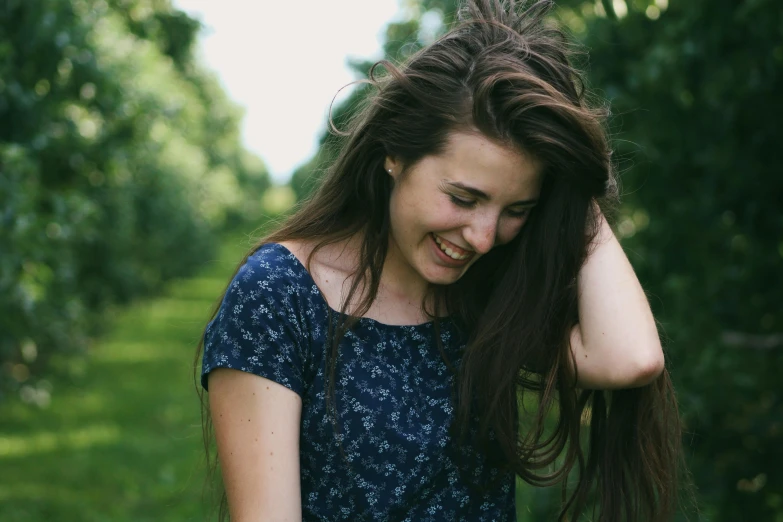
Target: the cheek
(508, 230)
(414, 214)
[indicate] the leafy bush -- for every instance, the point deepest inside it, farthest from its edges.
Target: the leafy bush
(119, 160)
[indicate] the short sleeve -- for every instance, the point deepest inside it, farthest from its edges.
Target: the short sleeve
(258, 327)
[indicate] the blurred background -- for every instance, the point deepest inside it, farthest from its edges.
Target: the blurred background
(144, 142)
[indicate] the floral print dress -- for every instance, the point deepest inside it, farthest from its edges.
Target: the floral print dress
(390, 455)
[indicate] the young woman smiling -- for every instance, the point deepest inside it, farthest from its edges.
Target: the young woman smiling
(372, 358)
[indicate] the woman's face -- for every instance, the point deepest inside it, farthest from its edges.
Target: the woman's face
(448, 210)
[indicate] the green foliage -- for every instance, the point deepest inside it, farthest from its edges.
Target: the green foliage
(119, 437)
(119, 159)
(695, 90)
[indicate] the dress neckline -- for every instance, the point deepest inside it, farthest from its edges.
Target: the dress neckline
(368, 321)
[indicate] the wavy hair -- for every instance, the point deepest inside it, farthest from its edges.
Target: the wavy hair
(505, 70)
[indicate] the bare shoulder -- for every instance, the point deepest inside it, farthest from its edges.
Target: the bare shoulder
(339, 255)
(299, 248)
(330, 267)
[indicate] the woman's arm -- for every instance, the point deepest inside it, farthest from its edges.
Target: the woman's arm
(257, 431)
(616, 342)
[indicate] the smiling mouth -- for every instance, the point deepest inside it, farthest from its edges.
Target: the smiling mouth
(451, 250)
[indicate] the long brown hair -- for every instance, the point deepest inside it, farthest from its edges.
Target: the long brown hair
(505, 70)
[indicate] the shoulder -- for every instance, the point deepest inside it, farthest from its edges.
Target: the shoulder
(297, 250)
(330, 266)
(334, 256)
(267, 320)
(271, 262)
(273, 275)
(271, 256)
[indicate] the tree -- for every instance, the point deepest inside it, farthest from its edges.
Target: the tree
(119, 160)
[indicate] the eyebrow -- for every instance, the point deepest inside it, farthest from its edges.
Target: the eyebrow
(483, 195)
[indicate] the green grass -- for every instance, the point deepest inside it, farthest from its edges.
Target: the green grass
(121, 438)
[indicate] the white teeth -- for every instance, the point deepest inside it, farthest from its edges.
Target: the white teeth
(449, 252)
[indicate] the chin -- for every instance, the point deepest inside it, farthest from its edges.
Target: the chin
(442, 277)
(443, 281)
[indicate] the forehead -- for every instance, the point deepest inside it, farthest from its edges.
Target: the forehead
(498, 169)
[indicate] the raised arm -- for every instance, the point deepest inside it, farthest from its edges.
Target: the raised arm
(616, 342)
(257, 431)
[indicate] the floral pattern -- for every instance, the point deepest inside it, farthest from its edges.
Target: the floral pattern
(390, 455)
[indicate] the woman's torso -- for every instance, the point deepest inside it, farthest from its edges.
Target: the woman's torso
(390, 455)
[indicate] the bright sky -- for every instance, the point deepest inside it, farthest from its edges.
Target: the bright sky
(284, 62)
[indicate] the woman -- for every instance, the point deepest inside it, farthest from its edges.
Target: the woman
(370, 359)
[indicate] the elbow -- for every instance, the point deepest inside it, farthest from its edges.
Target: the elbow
(628, 364)
(648, 367)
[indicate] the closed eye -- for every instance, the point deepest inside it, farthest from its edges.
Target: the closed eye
(464, 203)
(519, 213)
(470, 203)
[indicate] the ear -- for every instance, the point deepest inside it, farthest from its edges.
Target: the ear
(392, 167)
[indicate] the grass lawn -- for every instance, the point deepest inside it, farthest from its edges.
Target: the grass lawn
(121, 438)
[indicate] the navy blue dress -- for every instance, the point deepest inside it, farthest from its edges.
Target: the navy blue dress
(393, 396)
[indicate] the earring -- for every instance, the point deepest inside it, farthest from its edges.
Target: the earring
(390, 171)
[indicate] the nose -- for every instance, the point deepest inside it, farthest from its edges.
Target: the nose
(481, 233)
